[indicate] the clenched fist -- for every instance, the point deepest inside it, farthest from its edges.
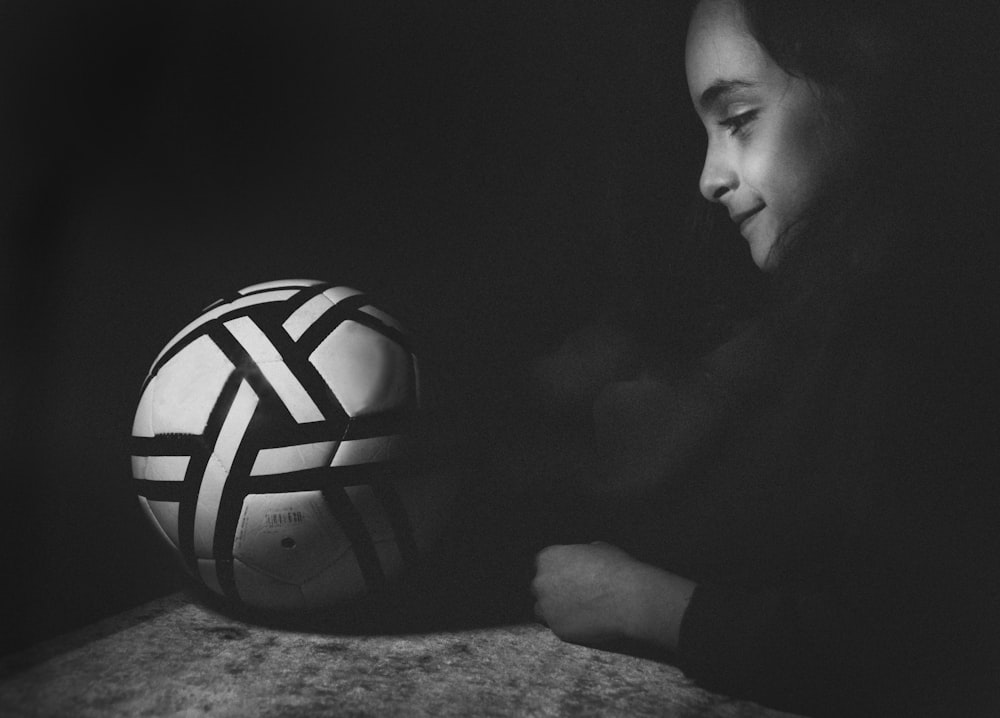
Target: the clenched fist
(596, 593)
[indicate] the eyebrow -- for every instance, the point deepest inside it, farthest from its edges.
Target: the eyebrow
(719, 90)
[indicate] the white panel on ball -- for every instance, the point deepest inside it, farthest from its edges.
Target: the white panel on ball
(166, 515)
(187, 387)
(381, 316)
(263, 591)
(305, 316)
(343, 579)
(290, 537)
(166, 468)
(367, 371)
(279, 284)
(338, 294)
(368, 451)
(283, 459)
(206, 570)
(163, 515)
(142, 424)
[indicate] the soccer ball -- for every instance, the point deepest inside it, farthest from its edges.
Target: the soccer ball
(272, 447)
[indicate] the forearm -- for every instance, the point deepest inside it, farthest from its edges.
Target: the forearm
(791, 647)
(659, 600)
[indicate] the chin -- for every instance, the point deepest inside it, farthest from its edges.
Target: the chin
(763, 257)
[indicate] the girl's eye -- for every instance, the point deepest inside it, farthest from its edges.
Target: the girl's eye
(736, 123)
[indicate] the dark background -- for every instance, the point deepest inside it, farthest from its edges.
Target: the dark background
(498, 171)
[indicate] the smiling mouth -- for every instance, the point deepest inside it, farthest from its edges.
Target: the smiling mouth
(743, 220)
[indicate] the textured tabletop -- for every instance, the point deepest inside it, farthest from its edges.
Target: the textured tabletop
(178, 656)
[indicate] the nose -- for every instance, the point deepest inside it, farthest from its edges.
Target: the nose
(717, 176)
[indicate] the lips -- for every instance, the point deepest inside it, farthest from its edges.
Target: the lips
(742, 218)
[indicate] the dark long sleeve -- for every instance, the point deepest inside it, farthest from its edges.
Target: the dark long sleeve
(902, 623)
(790, 646)
(840, 519)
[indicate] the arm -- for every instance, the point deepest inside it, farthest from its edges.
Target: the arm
(791, 646)
(784, 647)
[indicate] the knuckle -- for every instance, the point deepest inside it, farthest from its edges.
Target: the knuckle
(544, 556)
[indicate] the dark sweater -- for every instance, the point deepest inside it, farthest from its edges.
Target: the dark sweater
(827, 480)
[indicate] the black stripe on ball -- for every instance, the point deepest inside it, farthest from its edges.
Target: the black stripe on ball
(402, 529)
(353, 525)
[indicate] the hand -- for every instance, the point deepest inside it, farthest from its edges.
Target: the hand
(596, 593)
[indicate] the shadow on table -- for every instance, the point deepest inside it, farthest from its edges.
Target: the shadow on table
(478, 575)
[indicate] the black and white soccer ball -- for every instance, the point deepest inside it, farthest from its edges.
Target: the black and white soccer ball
(273, 442)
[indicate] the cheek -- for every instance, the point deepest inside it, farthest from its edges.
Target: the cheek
(799, 166)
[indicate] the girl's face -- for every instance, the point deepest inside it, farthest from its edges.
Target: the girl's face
(771, 149)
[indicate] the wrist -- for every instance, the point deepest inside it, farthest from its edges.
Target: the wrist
(659, 601)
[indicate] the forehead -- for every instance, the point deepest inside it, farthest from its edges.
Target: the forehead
(719, 47)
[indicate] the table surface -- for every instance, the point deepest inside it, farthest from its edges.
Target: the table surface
(180, 656)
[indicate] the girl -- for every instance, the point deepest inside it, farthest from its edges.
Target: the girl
(809, 513)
